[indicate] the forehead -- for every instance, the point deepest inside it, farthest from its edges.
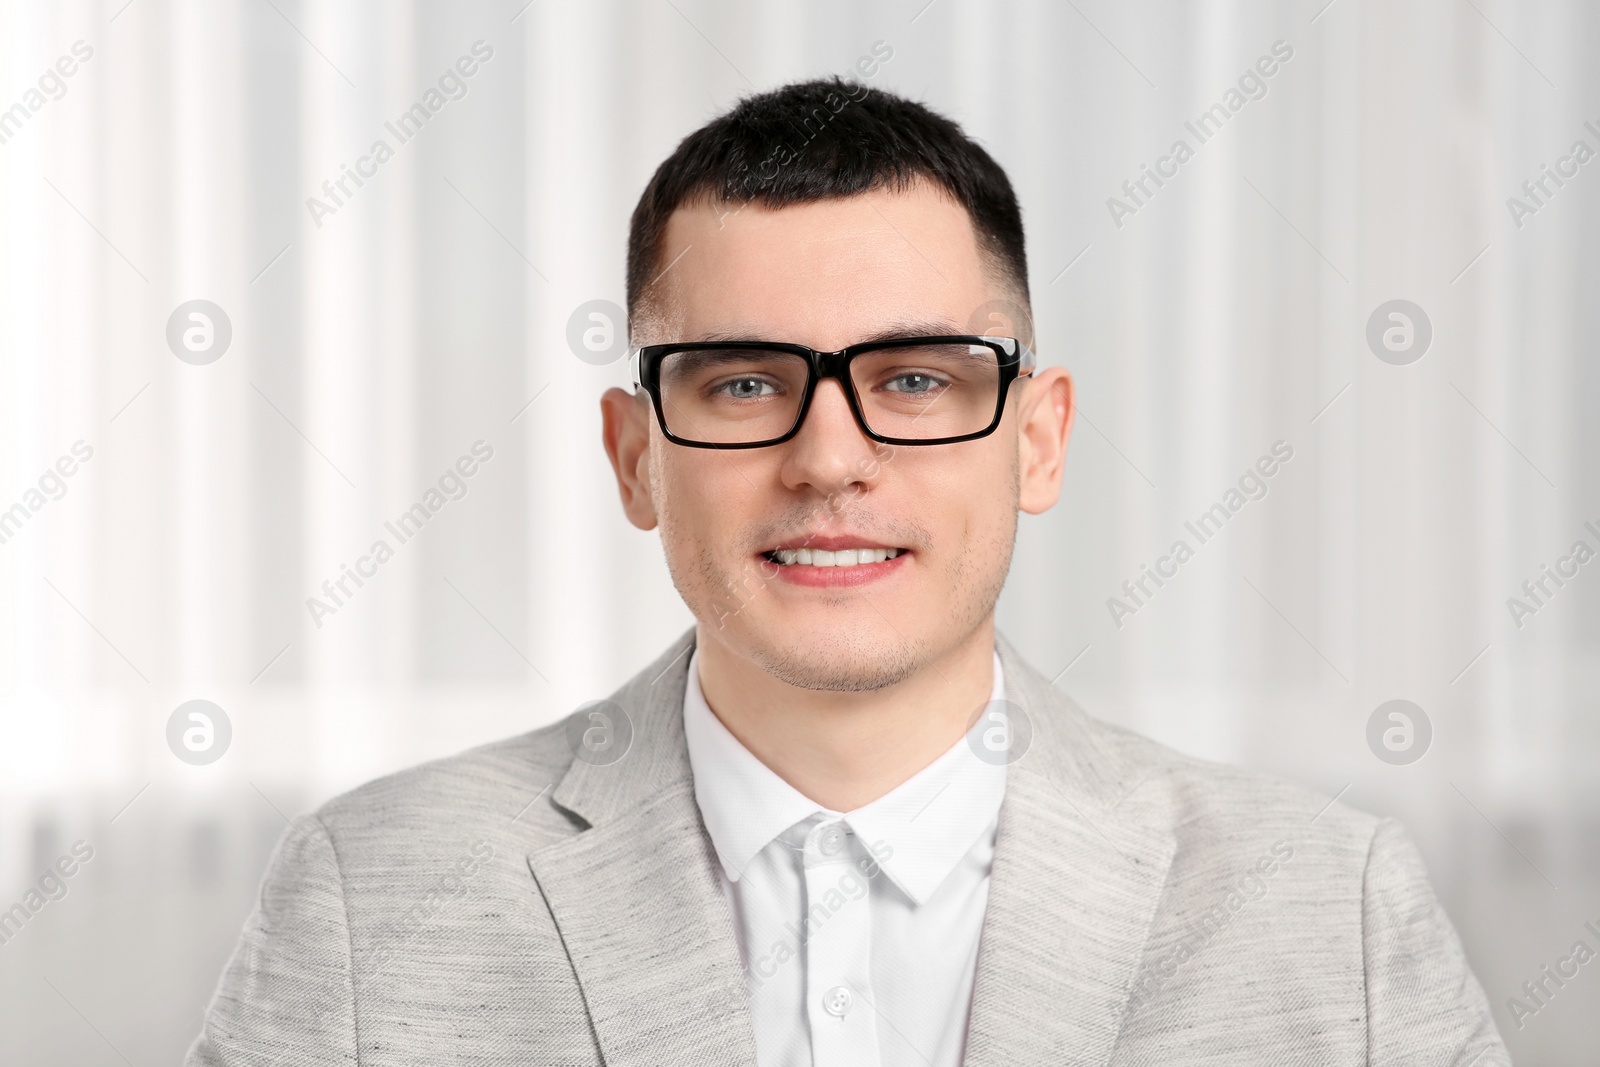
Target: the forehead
(824, 273)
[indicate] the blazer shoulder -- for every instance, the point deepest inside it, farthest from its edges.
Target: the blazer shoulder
(1197, 796)
(506, 786)
(492, 780)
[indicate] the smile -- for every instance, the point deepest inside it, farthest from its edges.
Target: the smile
(821, 557)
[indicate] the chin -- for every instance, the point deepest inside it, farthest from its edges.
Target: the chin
(837, 659)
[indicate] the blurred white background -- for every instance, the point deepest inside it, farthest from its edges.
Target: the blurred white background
(373, 345)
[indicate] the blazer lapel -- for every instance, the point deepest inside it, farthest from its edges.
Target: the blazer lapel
(636, 895)
(1075, 883)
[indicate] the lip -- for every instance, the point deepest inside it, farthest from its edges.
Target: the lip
(836, 577)
(832, 543)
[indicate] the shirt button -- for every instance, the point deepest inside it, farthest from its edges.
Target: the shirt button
(836, 1001)
(831, 841)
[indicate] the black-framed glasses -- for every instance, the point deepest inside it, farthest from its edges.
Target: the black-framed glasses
(903, 390)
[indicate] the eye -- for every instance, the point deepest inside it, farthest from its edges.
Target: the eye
(913, 383)
(746, 388)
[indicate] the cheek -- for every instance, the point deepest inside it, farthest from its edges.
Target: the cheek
(701, 500)
(983, 515)
(678, 507)
(699, 486)
(977, 497)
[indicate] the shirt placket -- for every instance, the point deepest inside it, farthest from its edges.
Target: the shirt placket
(839, 995)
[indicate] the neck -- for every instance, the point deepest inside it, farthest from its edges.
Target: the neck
(845, 750)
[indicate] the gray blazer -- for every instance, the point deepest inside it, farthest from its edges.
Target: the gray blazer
(515, 905)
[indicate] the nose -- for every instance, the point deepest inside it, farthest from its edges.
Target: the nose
(830, 453)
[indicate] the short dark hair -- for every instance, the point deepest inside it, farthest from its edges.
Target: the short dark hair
(851, 139)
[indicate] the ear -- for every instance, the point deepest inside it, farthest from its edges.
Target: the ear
(1046, 421)
(625, 429)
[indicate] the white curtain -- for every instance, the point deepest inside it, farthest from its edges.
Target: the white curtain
(383, 329)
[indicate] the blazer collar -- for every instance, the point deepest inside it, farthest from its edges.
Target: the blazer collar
(1078, 872)
(656, 760)
(636, 898)
(1077, 875)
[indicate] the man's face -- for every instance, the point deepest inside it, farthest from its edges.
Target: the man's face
(829, 274)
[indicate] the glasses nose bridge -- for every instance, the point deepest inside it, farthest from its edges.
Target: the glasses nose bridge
(835, 365)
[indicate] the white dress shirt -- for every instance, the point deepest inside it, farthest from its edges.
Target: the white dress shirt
(858, 930)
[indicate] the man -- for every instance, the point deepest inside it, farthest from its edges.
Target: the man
(840, 820)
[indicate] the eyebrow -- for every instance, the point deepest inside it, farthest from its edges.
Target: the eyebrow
(897, 328)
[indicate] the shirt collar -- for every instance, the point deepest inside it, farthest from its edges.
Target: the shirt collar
(930, 821)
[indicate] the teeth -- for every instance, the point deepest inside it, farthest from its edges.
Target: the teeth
(844, 557)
